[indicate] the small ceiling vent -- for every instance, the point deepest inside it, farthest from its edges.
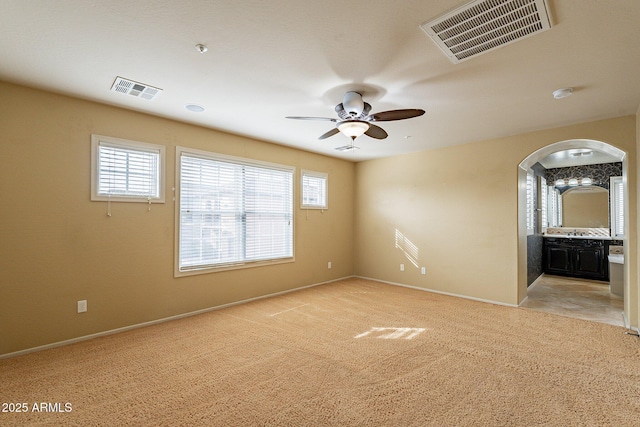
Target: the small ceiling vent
(347, 148)
(136, 89)
(484, 25)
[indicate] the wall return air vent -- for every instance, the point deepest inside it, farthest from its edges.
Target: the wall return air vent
(484, 25)
(139, 90)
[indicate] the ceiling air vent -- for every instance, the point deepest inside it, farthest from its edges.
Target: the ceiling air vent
(136, 89)
(347, 148)
(484, 25)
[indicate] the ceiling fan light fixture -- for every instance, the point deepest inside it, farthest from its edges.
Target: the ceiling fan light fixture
(353, 128)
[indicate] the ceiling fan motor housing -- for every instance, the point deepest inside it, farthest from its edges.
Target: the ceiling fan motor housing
(353, 103)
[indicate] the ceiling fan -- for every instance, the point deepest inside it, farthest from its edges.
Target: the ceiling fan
(355, 120)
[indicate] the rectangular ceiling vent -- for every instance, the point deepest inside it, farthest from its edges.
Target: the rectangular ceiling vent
(347, 148)
(136, 89)
(484, 25)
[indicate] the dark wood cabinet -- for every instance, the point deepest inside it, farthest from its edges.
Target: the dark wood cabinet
(558, 259)
(583, 258)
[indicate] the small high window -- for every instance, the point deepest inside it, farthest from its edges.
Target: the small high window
(314, 190)
(126, 171)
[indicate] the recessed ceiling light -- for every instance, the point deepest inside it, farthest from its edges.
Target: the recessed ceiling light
(582, 153)
(562, 93)
(195, 108)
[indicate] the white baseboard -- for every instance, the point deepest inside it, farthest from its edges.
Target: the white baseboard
(157, 321)
(439, 292)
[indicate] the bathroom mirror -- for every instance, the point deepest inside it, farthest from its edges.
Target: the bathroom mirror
(585, 207)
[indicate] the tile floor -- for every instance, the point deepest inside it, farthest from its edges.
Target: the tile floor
(582, 299)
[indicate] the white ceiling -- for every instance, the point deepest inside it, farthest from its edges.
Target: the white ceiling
(277, 58)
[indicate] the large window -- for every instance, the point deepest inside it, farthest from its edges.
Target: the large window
(231, 212)
(126, 171)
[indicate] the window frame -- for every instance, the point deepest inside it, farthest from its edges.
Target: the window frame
(319, 175)
(616, 206)
(554, 206)
(542, 205)
(530, 204)
(241, 264)
(143, 147)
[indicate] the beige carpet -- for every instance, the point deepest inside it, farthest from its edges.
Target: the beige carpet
(350, 353)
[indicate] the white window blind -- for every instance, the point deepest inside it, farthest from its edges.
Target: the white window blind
(559, 202)
(617, 207)
(314, 190)
(126, 170)
(530, 211)
(554, 203)
(232, 212)
(544, 220)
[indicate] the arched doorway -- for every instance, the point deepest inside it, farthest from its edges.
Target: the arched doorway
(526, 165)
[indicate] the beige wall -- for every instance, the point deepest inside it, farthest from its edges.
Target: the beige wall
(633, 284)
(58, 247)
(452, 210)
(459, 208)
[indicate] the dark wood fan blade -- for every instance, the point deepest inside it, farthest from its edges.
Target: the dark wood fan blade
(312, 118)
(376, 132)
(386, 116)
(330, 133)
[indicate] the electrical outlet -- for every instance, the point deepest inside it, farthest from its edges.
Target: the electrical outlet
(82, 306)
(401, 267)
(424, 270)
(329, 264)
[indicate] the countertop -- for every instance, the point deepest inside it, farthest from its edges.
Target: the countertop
(566, 236)
(616, 258)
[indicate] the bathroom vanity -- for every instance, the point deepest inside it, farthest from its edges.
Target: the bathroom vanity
(576, 256)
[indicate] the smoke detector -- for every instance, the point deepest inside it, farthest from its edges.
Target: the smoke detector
(484, 25)
(139, 90)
